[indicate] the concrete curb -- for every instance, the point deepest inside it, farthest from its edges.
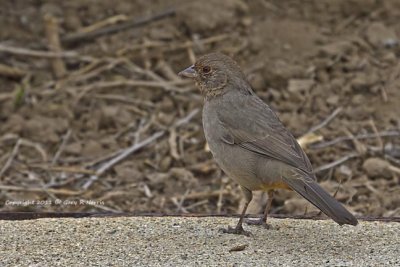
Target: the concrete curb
(183, 241)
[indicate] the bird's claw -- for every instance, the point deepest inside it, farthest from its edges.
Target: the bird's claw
(236, 231)
(260, 222)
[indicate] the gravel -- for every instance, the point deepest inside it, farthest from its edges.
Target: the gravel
(188, 241)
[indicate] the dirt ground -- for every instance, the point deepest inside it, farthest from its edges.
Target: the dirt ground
(74, 132)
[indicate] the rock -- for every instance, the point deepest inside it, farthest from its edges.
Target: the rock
(300, 85)
(364, 81)
(377, 168)
(92, 148)
(126, 171)
(227, 14)
(379, 35)
(337, 48)
(277, 74)
(74, 148)
(333, 100)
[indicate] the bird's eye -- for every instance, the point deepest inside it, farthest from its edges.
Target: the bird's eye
(206, 69)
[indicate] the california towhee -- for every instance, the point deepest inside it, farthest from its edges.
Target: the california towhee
(250, 143)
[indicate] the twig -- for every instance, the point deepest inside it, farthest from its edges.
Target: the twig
(61, 147)
(68, 169)
(200, 195)
(163, 67)
(186, 119)
(123, 99)
(121, 156)
(383, 93)
(202, 202)
(360, 147)
(149, 73)
(178, 205)
(326, 121)
(85, 36)
(103, 23)
(53, 38)
(173, 148)
(11, 72)
(34, 189)
(336, 162)
(359, 137)
(310, 137)
(13, 154)
(37, 147)
(6, 96)
(105, 208)
(129, 151)
(167, 47)
(125, 83)
(90, 71)
(378, 138)
(43, 54)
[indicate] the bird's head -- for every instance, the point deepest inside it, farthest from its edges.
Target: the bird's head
(214, 73)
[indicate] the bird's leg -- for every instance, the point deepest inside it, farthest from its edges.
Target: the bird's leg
(238, 230)
(263, 219)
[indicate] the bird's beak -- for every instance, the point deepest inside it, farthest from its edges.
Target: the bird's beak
(189, 72)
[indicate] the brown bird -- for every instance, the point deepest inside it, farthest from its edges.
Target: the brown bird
(251, 144)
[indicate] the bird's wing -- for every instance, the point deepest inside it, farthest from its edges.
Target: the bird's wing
(252, 125)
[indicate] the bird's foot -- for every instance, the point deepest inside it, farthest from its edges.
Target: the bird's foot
(238, 230)
(260, 221)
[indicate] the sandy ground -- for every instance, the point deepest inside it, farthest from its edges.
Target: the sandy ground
(178, 241)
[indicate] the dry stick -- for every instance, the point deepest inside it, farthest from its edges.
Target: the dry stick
(186, 119)
(6, 96)
(178, 205)
(326, 121)
(68, 169)
(173, 148)
(124, 99)
(61, 148)
(13, 154)
(134, 68)
(202, 202)
(95, 72)
(53, 38)
(167, 47)
(121, 155)
(129, 151)
(85, 69)
(124, 83)
(309, 137)
(37, 147)
(42, 54)
(163, 67)
(105, 208)
(11, 72)
(360, 147)
(35, 189)
(104, 23)
(200, 195)
(378, 138)
(336, 162)
(383, 93)
(85, 36)
(358, 137)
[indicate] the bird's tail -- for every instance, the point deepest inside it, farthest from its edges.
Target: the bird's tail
(303, 184)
